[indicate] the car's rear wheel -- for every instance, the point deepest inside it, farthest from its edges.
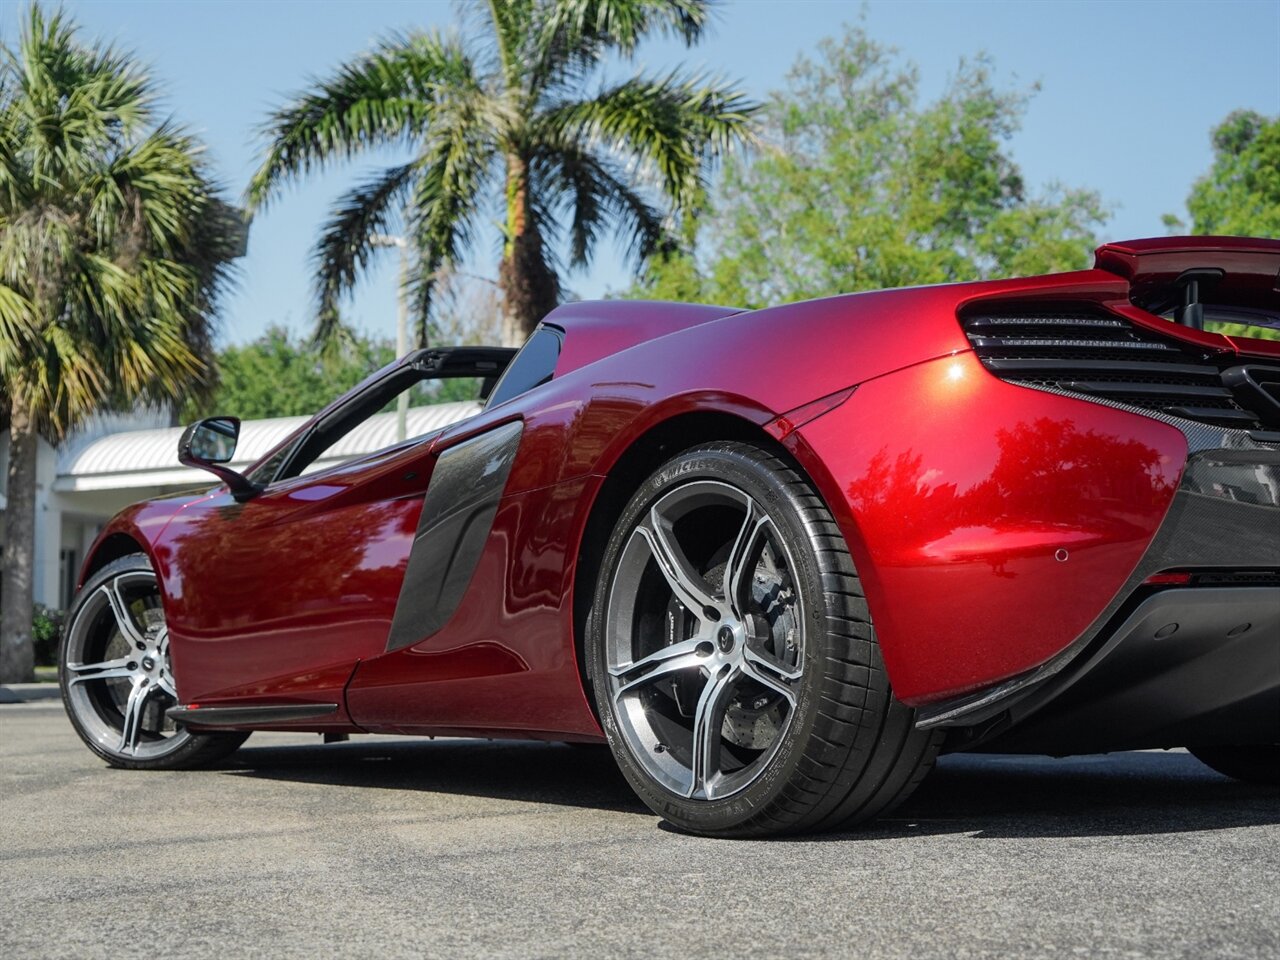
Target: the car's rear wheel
(1257, 763)
(116, 676)
(732, 658)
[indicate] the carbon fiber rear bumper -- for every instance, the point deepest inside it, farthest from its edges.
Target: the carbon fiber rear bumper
(1187, 666)
(1224, 523)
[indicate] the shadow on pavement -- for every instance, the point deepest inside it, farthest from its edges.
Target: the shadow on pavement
(529, 771)
(1121, 794)
(1118, 794)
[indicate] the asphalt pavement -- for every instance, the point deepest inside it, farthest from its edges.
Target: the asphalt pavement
(395, 847)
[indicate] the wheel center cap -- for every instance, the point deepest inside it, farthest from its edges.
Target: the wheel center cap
(148, 663)
(724, 639)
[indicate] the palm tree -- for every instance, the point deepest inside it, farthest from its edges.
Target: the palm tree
(112, 249)
(505, 106)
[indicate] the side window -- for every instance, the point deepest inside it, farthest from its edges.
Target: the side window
(346, 441)
(532, 366)
(437, 387)
(330, 443)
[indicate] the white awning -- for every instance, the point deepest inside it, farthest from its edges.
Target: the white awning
(149, 458)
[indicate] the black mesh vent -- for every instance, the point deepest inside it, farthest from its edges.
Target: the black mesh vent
(1103, 356)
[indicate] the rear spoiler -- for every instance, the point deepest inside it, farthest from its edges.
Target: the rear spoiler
(1183, 273)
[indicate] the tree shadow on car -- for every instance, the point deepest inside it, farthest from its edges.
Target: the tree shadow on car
(1118, 794)
(579, 775)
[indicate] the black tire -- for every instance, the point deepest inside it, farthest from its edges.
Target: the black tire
(109, 673)
(844, 750)
(1256, 763)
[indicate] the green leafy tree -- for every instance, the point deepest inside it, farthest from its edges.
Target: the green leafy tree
(279, 375)
(503, 111)
(1240, 195)
(112, 250)
(859, 186)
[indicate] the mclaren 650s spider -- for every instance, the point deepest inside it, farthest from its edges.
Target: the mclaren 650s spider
(778, 560)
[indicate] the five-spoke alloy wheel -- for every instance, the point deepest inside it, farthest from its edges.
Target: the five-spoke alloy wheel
(117, 679)
(702, 668)
(733, 664)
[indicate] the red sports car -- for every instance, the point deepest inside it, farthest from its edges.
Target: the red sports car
(777, 559)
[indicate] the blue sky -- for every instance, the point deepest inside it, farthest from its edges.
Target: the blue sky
(1129, 92)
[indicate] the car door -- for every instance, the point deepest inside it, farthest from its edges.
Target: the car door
(275, 599)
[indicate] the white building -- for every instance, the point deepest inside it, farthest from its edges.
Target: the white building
(118, 460)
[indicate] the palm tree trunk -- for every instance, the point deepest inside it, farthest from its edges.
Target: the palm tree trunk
(16, 588)
(530, 289)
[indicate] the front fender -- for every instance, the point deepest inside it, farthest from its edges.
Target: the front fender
(139, 526)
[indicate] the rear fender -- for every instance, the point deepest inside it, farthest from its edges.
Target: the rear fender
(991, 523)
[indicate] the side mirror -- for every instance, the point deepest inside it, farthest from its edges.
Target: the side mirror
(210, 443)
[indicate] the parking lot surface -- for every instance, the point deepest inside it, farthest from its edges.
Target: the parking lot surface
(452, 848)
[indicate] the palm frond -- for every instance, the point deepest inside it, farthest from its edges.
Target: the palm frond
(596, 196)
(18, 333)
(510, 22)
(14, 187)
(456, 163)
(75, 101)
(149, 192)
(345, 246)
(671, 124)
(573, 35)
(384, 97)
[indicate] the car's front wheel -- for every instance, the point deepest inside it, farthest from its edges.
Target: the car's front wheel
(732, 657)
(116, 676)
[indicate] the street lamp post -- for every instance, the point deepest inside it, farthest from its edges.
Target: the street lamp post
(402, 321)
